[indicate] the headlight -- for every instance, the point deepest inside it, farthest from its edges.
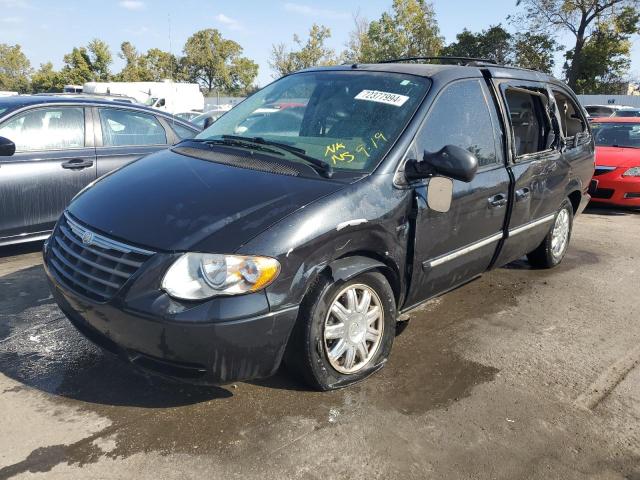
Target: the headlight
(632, 172)
(195, 276)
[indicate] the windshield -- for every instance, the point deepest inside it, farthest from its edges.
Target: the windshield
(3, 109)
(616, 134)
(348, 119)
(627, 113)
(150, 101)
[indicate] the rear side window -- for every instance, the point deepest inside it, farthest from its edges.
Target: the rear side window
(530, 121)
(56, 128)
(129, 128)
(572, 122)
(460, 116)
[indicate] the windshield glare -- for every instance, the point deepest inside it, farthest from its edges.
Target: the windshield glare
(616, 134)
(347, 119)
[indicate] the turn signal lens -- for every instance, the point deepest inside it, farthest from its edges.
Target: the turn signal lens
(196, 276)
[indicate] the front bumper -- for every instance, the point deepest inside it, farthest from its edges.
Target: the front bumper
(614, 189)
(206, 352)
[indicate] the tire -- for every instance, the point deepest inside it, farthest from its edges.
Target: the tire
(309, 350)
(549, 254)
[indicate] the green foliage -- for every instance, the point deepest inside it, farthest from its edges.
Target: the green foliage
(495, 43)
(605, 57)
(46, 79)
(216, 62)
(99, 59)
(535, 51)
(409, 30)
(15, 69)
(154, 66)
(309, 54)
(87, 64)
(525, 50)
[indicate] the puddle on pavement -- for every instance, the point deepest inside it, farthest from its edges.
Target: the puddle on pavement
(41, 350)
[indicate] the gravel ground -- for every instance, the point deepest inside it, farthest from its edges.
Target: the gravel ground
(520, 374)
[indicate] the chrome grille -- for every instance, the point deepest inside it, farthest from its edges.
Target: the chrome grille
(89, 263)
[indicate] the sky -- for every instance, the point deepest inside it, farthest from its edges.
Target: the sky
(47, 29)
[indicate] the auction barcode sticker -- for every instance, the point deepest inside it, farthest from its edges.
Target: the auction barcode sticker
(382, 97)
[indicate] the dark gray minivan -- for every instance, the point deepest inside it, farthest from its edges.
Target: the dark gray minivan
(304, 222)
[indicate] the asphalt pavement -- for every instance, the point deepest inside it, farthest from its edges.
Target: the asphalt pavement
(522, 374)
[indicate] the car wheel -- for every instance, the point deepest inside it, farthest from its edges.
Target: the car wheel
(554, 246)
(344, 331)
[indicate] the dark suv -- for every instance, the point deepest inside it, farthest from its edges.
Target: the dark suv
(61, 145)
(306, 232)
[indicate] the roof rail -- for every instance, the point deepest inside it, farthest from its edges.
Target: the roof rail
(463, 61)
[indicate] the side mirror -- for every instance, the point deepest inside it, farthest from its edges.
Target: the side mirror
(208, 122)
(450, 161)
(7, 147)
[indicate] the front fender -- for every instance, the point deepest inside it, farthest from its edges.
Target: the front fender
(344, 269)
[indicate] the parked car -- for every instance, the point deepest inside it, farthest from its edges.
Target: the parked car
(188, 116)
(206, 119)
(61, 145)
(216, 259)
(616, 180)
(627, 112)
(602, 110)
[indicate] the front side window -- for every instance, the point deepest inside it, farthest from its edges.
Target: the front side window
(530, 121)
(129, 128)
(55, 128)
(348, 119)
(616, 134)
(460, 116)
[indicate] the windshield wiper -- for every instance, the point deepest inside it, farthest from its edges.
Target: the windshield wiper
(229, 143)
(322, 167)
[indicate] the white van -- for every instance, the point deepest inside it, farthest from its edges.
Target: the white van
(167, 96)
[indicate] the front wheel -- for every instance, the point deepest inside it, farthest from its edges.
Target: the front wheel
(344, 332)
(554, 246)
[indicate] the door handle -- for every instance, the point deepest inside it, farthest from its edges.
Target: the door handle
(77, 164)
(522, 194)
(499, 200)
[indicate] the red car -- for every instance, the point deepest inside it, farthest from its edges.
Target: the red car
(616, 180)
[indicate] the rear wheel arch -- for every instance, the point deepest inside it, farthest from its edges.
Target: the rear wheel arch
(575, 198)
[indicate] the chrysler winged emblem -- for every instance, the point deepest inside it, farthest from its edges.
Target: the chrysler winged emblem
(87, 238)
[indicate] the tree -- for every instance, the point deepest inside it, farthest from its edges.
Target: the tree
(46, 79)
(493, 43)
(409, 30)
(580, 18)
(312, 53)
(77, 69)
(213, 61)
(133, 71)
(535, 51)
(87, 64)
(15, 68)
(161, 65)
(99, 59)
(357, 39)
(606, 56)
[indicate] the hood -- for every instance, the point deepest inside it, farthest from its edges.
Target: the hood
(169, 201)
(618, 157)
